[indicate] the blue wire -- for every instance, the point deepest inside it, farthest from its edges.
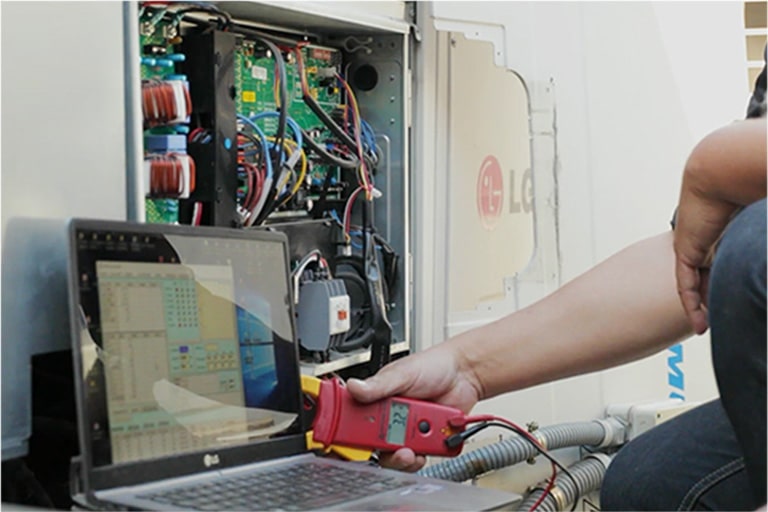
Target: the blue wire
(368, 135)
(335, 216)
(291, 124)
(360, 234)
(263, 138)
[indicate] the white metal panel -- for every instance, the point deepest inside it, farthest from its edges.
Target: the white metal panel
(63, 115)
(63, 155)
(506, 24)
(320, 16)
(680, 81)
(430, 189)
(489, 176)
(637, 85)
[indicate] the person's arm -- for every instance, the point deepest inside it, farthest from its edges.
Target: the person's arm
(725, 171)
(623, 309)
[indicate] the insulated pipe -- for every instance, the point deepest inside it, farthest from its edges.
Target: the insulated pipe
(596, 434)
(588, 474)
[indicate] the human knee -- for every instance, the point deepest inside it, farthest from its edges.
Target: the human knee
(738, 273)
(616, 484)
(626, 480)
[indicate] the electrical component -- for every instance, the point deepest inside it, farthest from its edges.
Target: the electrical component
(165, 143)
(323, 314)
(276, 134)
(165, 102)
(170, 175)
(387, 424)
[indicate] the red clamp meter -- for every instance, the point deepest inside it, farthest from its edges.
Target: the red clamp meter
(384, 425)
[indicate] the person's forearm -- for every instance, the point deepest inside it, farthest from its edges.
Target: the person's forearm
(623, 309)
(729, 165)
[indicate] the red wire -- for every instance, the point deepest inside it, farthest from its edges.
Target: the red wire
(193, 133)
(348, 213)
(547, 489)
(249, 175)
(521, 431)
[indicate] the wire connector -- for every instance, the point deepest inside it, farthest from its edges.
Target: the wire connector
(458, 439)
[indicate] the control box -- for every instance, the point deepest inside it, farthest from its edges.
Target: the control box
(254, 120)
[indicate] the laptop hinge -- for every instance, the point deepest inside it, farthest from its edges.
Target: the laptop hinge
(81, 497)
(75, 483)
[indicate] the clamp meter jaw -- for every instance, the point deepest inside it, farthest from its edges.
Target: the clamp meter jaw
(384, 425)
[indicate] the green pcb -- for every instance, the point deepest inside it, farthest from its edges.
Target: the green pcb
(257, 91)
(161, 211)
(157, 33)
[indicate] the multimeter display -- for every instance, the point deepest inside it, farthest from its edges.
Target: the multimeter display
(398, 419)
(385, 425)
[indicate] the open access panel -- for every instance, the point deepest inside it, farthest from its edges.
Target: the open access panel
(260, 116)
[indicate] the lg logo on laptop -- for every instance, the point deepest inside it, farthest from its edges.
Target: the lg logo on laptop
(210, 459)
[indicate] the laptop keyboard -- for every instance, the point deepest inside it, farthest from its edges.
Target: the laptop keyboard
(301, 487)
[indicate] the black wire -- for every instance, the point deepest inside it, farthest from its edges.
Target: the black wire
(248, 30)
(327, 156)
(546, 454)
(282, 117)
(330, 123)
(257, 143)
(203, 7)
(539, 449)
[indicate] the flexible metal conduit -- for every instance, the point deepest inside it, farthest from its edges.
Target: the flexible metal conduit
(596, 434)
(588, 473)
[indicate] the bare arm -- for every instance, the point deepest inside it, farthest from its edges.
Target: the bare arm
(729, 165)
(623, 309)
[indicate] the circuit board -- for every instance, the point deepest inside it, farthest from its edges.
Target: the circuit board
(257, 91)
(157, 34)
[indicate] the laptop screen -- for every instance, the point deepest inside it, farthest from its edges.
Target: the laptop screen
(187, 341)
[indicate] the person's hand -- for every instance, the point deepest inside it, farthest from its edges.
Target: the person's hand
(725, 171)
(435, 374)
(701, 220)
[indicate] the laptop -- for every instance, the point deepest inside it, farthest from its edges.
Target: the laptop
(188, 382)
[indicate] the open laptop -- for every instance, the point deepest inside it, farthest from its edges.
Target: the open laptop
(188, 384)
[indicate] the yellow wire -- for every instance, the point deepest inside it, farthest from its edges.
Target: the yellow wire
(291, 146)
(362, 170)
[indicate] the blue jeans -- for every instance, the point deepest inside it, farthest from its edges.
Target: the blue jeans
(712, 457)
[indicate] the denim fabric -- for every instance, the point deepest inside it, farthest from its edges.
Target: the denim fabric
(691, 462)
(713, 457)
(738, 330)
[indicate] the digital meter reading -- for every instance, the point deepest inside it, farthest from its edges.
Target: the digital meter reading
(398, 419)
(385, 425)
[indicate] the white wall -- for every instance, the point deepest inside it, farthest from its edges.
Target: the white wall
(63, 111)
(636, 85)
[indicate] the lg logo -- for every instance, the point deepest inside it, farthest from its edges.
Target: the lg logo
(210, 459)
(490, 192)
